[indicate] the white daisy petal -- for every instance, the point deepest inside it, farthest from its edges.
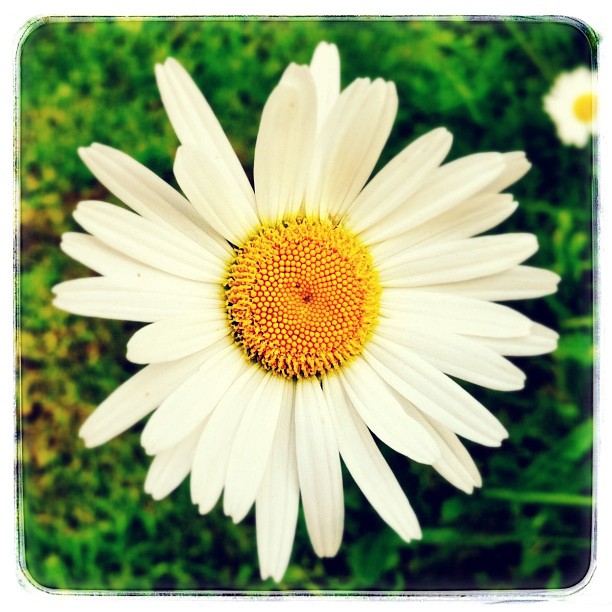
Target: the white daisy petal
(136, 398)
(319, 470)
(467, 219)
(153, 244)
(113, 264)
(349, 146)
(456, 464)
(284, 147)
(128, 300)
(539, 341)
(177, 337)
(149, 196)
(457, 356)
(213, 450)
(433, 392)
(447, 186)
(517, 283)
(170, 467)
(276, 506)
(93, 253)
(458, 260)
(367, 466)
(399, 179)
(210, 188)
(325, 69)
(452, 313)
(195, 123)
(252, 446)
(190, 403)
(374, 402)
(517, 166)
(470, 218)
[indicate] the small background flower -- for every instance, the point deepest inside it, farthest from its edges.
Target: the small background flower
(572, 104)
(87, 523)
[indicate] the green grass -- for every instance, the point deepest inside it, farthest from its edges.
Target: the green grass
(87, 524)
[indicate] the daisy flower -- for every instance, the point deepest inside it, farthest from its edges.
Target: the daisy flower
(291, 322)
(572, 105)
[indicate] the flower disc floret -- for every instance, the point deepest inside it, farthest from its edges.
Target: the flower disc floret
(585, 107)
(302, 297)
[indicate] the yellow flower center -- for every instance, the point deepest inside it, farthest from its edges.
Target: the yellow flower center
(302, 297)
(585, 107)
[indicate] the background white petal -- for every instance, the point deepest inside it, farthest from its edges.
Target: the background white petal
(560, 101)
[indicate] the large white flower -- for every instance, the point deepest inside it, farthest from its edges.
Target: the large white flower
(289, 322)
(572, 105)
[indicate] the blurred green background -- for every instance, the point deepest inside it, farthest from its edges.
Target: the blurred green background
(87, 524)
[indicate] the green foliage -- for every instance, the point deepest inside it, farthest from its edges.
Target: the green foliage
(87, 524)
